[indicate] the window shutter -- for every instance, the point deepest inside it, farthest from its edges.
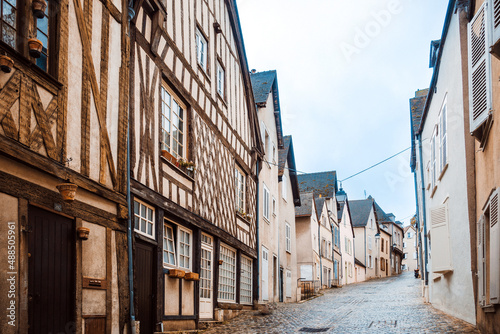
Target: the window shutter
(480, 262)
(494, 249)
(479, 68)
(495, 19)
(440, 250)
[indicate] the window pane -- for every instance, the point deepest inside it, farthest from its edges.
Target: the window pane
(136, 208)
(136, 223)
(143, 211)
(150, 229)
(143, 225)
(150, 214)
(42, 62)
(9, 14)
(9, 35)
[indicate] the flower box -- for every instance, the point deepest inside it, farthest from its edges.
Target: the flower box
(176, 273)
(192, 276)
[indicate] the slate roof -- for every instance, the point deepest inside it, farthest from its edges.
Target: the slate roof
(382, 217)
(360, 211)
(262, 82)
(305, 209)
(417, 105)
(319, 202)
(322, 183)
(283, 154)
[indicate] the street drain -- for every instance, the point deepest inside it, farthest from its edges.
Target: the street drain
(313, 330)
(383, 324)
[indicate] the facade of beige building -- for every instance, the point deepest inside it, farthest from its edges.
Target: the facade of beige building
(410, 257)
(348, 266)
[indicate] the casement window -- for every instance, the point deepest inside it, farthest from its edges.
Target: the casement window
(201, 50)
(488, 252)
(382, 246)
(440, 240)
(284, 187)
(246, 280)
(177, 246)
(443, 151)
(288, 237)
(240, 189)
(15, 29)
(369, 242)
(266, 203)
(434, 159)
(220, 80)
(173, 123)
(274, 206)
(288, 284)
(227, 274)
(144, 222)
(480, 93)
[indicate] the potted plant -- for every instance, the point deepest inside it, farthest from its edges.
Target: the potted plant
(192, 276)
(39, 7)
(83, 232)
(35, 47)
(6, 64)
(166, 154)
(176, 273)
(67, 191)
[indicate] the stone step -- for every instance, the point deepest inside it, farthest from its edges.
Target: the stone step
(206, 324)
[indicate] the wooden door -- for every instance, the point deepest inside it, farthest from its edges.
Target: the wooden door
(144, 286)
(51, 277)
(206, 278)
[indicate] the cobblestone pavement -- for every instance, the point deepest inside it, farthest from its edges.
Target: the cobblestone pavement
(389, 305)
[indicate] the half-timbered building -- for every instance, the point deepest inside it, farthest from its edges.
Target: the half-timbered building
(63, 120)
(195, 147)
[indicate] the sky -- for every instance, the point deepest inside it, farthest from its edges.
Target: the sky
(346, 71)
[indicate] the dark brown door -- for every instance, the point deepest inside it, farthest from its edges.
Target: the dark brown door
(144, 274)
(50, 273)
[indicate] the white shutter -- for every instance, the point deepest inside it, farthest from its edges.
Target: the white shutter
(288, 284)
(495, 19)
(440, 239)
(494, 249)
(481, 284)
(479, 68)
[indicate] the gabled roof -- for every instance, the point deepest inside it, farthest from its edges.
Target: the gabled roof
(417, 105)
(382, 217)
(263, 84)
(286, 155)
(306, 204)
(408, 227)
(360, 211)
(322, 183)
(340, 211)
(319, 202)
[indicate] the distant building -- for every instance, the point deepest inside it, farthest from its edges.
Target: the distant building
(347, 272)
(410, 257)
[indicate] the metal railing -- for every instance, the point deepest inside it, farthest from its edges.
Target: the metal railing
(308, 288)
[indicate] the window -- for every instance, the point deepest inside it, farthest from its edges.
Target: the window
(323, 247)
(288, 237)
(405, 256)
(172, 124)
(442, 147)
(42, 34)
(409, 235)
(201, 50)
(8, 22)
(144, 219)
(288, 284)
(371, 224)
(382, 246)
(404, 244)
(240, 190)
(274, 153)
(369, 261)
(369, 242)
(265, 206)
(246, 280)
(267, 151)
(329, 249)
(386, 246)
(433, 159)
(177, 243)
(274, 206)
(227, 274)
(220, 80)
(284, 187)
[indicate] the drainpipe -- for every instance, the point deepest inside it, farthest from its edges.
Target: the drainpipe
(320, 262)
(424, 218)
(131, 14)
(417, 220)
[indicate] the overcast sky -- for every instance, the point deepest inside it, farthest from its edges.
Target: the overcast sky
(346, 70)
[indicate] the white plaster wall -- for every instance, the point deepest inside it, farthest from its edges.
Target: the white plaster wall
(346, 232)
(410, 249)
(452, 292)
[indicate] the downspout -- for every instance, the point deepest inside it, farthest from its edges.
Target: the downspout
(257, 215)
(417, 219)
(320, 262)
(424, 218)
(131, 14)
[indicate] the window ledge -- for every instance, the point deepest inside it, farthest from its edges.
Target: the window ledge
(205, 73)
(178, 169)
(242, 217)
(433, 191)
(488, 308)
(267, 220)
(443, 171)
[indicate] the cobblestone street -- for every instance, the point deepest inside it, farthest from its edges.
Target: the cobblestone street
(390, 305)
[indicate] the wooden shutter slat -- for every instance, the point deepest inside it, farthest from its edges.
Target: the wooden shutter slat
(494, 249)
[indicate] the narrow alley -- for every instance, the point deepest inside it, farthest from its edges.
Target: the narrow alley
(389, 305)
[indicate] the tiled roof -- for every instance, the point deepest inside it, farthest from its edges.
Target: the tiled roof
(305, 209)
(262, 82)
(322, 183)
(360, 211)
(283, 154)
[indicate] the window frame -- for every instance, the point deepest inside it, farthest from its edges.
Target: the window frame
(201, 37)
(222, 268)
(176, 232)
(242, 192)
(153, 229)
(244, 285)
(221, 80)
(443, 142)
(274, 205)
(288, 238)
(266, 209)
(164, 87)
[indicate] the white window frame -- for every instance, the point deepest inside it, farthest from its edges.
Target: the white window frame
(168, 240)
(171, 134)
(266, 202)
(138, 217)
(227, 283)
(274, 206)
(443, 149)
(221, 74)
(201, 50)
(177, 230)
(288, 237)
(246, 280)
(240, 179)
(434, 158)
